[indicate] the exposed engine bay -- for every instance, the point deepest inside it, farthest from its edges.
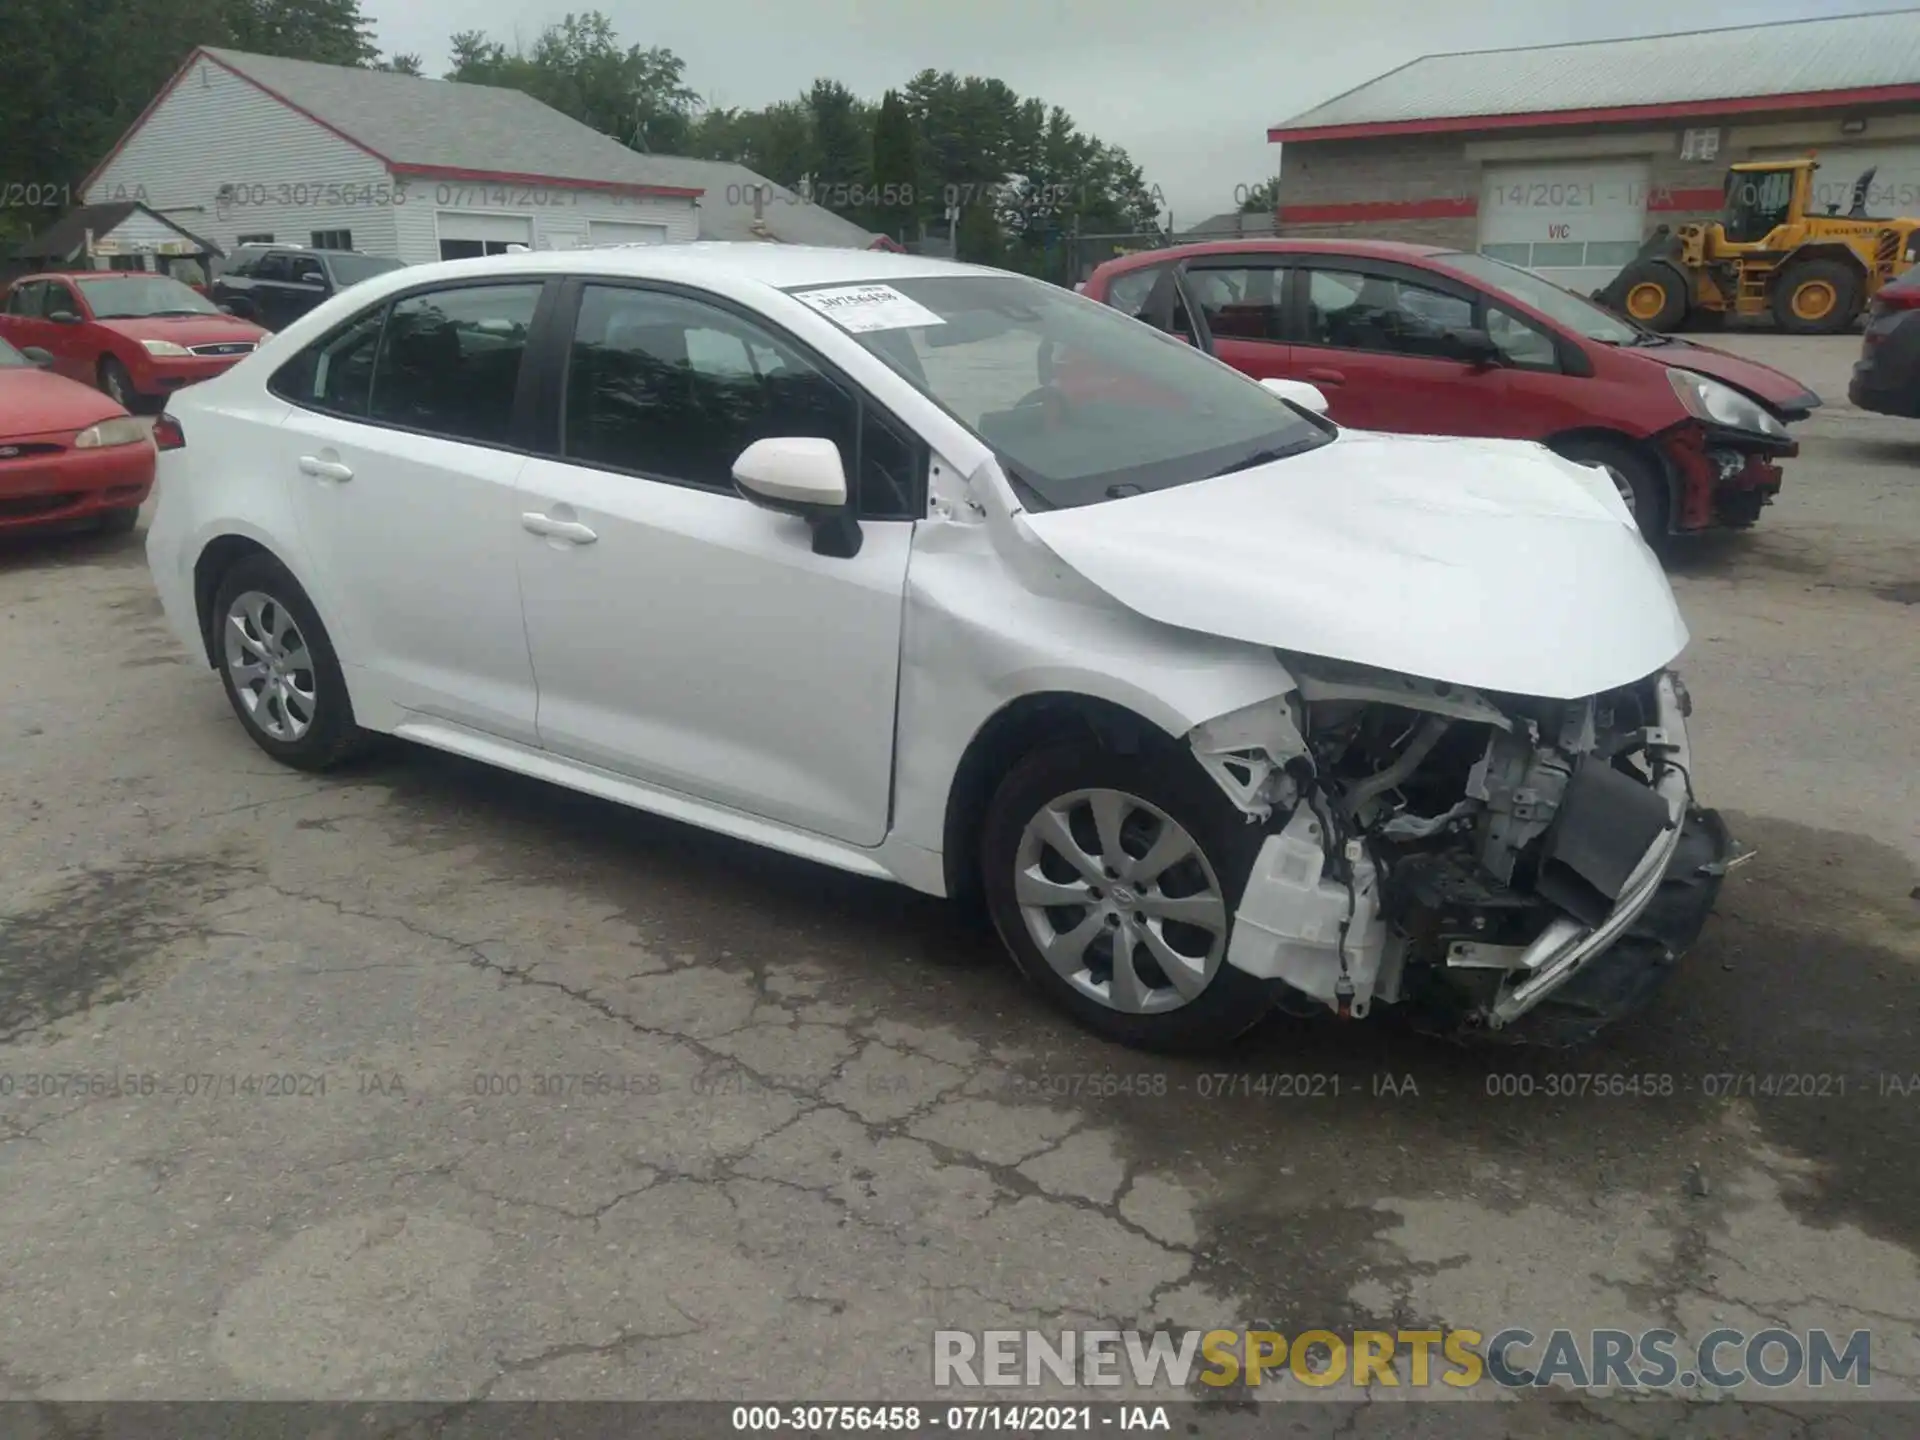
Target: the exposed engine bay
(1469, 854)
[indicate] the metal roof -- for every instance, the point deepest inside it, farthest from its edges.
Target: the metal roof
(1851, 53)
(488, 131)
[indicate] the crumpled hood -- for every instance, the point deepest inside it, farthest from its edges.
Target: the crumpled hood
(1488, 563)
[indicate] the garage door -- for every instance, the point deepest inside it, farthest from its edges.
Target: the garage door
(464, 234)
(625, 232)
(1575, 224)
(1894, 193)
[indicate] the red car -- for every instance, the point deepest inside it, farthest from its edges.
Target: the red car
(138, 336)
(1429, 341)
(67, 452)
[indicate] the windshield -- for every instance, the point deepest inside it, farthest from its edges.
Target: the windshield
(128, 297)
(352, 269)
(1583, 317)
(1080, 403)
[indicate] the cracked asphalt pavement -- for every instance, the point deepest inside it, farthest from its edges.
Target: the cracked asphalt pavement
(432, 1083)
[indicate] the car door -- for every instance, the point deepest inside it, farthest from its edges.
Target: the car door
(402, 450)
(1238, 300)
(681, 635)
(269, 291)
(74, 349)
(22, 324)
(306, 287)
(1374, 336)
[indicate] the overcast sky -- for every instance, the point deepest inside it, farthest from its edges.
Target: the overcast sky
(1188, 89)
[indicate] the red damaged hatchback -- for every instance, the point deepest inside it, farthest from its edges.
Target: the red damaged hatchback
(1428, 341)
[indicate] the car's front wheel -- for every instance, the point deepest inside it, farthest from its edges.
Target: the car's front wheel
(278, 664)
(1113, 880)
(118, 385)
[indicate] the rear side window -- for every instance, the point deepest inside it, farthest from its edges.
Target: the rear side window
(1239, 302)
(449, 361)
(336, 373)
(25, 299)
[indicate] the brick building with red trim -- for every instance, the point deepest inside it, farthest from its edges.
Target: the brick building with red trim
(1564, 157)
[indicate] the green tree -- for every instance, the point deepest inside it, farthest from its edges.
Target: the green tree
(841, 142)
(333, 32)
(895, 168)
(1261, 199)
(405, 63)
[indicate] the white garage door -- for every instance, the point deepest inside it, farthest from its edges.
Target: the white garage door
(465, 233)
(1574, 223)
(625, 232)
(1894, 193)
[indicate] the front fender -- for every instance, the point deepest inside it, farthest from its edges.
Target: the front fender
(977, 640)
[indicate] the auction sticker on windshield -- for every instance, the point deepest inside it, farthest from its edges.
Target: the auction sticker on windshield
(862, 308)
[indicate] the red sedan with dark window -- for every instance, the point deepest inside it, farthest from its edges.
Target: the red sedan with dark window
(135, 335)
(67, 452)
(1424, 340)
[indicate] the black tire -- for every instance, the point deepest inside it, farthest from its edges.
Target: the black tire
(117, 385)
(1816, 277)
(1642, 482)
(1170, 781)
(119, 522)
(1675, 295)
(331, 737)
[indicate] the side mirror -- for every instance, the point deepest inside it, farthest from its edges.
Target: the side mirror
(1307, 397)
(226, 309)
(1473, 347)
(64, 317)
(40, 359)
(802, 475)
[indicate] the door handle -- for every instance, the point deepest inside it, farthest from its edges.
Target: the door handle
(1326, 377)
(572, 530)
(324, 469)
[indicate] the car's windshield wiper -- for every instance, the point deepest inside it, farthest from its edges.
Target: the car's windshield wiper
(155, 314)
(1267, 457)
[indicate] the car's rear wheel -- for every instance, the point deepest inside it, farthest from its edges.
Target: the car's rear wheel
(279, 668)
(1634, 474)
(1113, 881)
(118, 384)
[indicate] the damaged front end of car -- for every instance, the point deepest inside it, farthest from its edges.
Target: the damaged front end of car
(1499, 866)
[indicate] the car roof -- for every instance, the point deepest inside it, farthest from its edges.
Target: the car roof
(779, 267)
(1294, 244)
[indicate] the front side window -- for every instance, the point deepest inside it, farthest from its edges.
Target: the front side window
(1756, 202)
(335, 373)
(1241, 303)
(675, 389)
(449, 361)
(1520, 341)
(274, 265)
(141, 295)
(307, 271)
(1350, 310)
(1079, 403)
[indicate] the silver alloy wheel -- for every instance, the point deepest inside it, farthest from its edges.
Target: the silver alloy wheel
(271, 669)
(1121, 901)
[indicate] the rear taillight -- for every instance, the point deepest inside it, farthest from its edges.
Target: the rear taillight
(1899, 298)
(167, 434)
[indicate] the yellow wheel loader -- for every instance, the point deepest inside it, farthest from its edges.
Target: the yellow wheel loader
(1767, 254)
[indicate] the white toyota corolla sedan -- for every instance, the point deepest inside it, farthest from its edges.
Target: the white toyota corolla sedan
(949, 576)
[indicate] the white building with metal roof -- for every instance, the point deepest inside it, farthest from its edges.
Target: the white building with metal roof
(246, 148)
(1563, 157)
